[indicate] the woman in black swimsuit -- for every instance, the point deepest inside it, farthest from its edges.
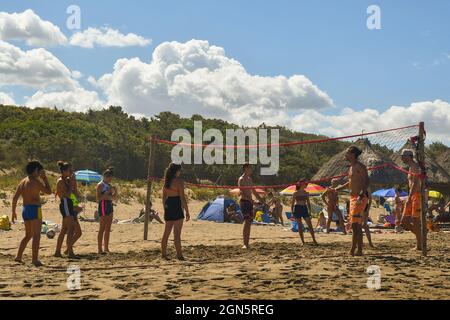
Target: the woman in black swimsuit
(64, 190)
(301, 208)
(175, 205)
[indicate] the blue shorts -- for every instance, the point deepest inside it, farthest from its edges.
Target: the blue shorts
(301, 211)
(31, 212)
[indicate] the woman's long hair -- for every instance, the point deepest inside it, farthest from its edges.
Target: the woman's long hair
(170, 174)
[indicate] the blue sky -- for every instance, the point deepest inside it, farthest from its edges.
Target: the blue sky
(325, 40)
(407, 61)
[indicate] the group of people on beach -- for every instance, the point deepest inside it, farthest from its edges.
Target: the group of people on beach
(36, 183)
(176, 209)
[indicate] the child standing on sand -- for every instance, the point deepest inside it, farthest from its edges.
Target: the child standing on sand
(105, 195)
(29, 189)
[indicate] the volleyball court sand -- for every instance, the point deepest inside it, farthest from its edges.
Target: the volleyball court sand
(217, 268)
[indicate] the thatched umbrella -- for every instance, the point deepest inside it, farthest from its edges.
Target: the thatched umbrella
(383, 177)
(437, 177)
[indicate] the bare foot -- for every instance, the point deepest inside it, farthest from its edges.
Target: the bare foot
(359, 254)
(315, 243)
(372, 246)
(72, 255)
(19, 260)
(58, 255)
(181, 258)
(165, 257)
(352, 253)
(37, 263)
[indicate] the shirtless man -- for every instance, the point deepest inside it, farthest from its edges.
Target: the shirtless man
(29, 189)
(412, 209)
(246, 201)
(358, 183)
(331, 199)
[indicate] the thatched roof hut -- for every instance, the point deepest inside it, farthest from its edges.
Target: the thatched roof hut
(379, 178)
(444, 160)
(437, 177)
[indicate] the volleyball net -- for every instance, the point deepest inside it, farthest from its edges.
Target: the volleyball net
(381, 153)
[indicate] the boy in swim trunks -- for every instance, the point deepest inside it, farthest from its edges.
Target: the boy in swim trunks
(246, 201)
(413, 205)
(29, 189)
(358, 183)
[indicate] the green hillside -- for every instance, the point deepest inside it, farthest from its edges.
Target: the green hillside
(98, 139)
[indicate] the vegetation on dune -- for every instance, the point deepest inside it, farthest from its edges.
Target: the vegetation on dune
(98, 139)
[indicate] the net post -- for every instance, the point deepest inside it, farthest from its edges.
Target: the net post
(423, 216)
(148, 205)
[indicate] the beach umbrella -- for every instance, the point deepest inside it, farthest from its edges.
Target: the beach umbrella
(237, 190)
(312, 188)
(388, 193)
(434, 194)
(88, 176)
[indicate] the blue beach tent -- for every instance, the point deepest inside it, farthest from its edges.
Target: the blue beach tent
(214, 211)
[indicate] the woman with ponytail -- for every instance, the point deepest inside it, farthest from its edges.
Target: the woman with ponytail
(175, 207)
(64, 190)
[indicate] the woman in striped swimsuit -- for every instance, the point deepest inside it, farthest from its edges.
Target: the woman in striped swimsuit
(63, 191)
(105, 194)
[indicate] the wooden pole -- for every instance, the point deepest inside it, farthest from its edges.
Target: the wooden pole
(148, 200)
(423, 216)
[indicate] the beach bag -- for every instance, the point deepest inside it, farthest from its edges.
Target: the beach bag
(4, 223)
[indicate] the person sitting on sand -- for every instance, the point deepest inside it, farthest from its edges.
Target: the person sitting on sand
(246, 191)
(322, 223)
(231, 214)
(152, 215)
(358, 184)
(301, 208)
(331, 200)
(277, 210)
(175, 208)
(105, 194)
(66, 208)
(29, 189)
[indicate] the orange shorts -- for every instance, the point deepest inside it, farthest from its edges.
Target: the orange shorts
(356, 213)
(414, 207)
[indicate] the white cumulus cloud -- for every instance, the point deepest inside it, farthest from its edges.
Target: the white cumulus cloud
(107, 37)
(73, 100)
(435, 114)
(29, 27)
(6, 99)
(196, 77)
(37, 68)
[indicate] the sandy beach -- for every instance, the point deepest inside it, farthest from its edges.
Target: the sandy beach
(276, 267)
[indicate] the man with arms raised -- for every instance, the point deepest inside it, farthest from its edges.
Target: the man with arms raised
(358, 183)
(245, 184)
(413, 206)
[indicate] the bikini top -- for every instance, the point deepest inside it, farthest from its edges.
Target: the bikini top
(106, 187)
